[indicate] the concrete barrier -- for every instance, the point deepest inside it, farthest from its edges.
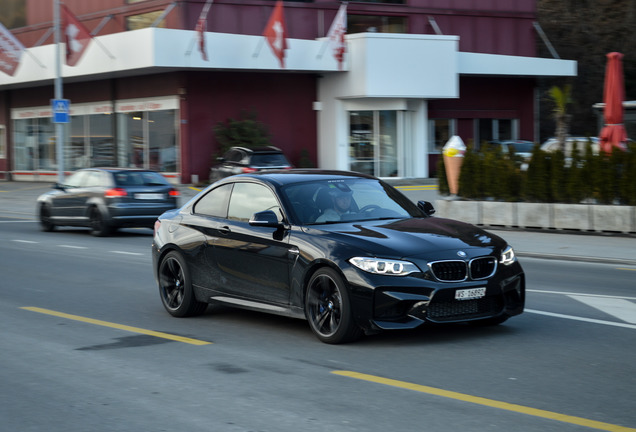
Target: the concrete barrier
(580, 217)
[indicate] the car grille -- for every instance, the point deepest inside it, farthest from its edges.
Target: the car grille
(452, 310)
(457, 270)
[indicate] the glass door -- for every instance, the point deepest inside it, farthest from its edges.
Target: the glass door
(373, 143)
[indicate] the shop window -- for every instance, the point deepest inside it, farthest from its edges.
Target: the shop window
(3, 142)
(440, 131)
(496, 130)
(162, 140)
(136, 22)
(14, 13)
(375, 24)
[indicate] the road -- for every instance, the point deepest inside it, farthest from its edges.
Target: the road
(87, 346)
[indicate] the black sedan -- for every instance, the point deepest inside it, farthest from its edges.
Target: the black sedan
(105, 199)
(345, 251)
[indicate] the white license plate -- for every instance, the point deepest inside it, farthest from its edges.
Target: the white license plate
(149, 196)
(470, 294)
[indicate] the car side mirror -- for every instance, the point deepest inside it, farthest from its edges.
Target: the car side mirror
(426, 207)
(266, 218)
(59, 186)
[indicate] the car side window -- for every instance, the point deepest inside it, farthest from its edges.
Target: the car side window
(250, 198)
(214, 203)
(77, 179)
(94, 179)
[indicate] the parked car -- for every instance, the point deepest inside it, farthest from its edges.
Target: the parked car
(241, 160)
(270, 242)
(521, 149)
(105, 199)
(552, 144)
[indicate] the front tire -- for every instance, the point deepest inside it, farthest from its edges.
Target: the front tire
(328, 308)
(45, 219)
(175, 287)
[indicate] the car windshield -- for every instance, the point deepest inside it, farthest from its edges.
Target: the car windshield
(139, 178)
(347, 200)
(268, 160)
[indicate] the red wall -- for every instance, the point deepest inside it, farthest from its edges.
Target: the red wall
(484, 26)
(283, 102)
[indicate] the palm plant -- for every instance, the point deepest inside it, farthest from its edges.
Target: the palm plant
(561, 97)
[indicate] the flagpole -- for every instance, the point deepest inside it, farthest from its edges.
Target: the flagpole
(59, 132)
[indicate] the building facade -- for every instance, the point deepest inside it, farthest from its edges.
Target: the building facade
(415, 72)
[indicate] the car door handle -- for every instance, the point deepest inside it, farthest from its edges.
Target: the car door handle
(225, 230)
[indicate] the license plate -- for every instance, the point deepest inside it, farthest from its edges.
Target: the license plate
(149, 196)
(470, 294)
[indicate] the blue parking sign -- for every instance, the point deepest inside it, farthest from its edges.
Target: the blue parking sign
(61, 110)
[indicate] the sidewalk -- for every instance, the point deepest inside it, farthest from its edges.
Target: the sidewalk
(17, 199)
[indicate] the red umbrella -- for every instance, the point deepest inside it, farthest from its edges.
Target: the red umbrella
(613, 134)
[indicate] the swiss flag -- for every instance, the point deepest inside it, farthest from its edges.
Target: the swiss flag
(76, 36)
(200, 29)
(10, 51)
(337, 33)
(276, 33)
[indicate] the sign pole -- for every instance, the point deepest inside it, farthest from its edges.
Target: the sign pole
(59, 131)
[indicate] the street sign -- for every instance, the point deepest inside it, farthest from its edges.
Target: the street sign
(61, 110)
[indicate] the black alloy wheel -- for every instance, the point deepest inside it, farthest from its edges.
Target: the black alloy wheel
(98, 226)
(45, 219)
(328, 308)
(175, 287)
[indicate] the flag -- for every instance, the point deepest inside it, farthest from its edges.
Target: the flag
(10, 51)
(201, 28)
(76, 36)
(276, 33)
(336, 34)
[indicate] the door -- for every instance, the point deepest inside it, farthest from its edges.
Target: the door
(253, 262)
(375, 142)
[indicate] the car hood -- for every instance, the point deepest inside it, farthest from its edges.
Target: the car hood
(426, 238)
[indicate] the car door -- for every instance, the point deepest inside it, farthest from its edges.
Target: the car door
(65, 203)
(253, 262)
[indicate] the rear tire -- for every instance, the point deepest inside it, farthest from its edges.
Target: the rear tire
(45, 219)
(328, 308)
(175, 287)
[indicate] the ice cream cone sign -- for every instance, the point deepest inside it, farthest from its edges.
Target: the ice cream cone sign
(453, 151)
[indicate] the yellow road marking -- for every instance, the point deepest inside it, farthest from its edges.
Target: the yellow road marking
(487, 402)
(118, 326)
(417, 187)
(627, 269)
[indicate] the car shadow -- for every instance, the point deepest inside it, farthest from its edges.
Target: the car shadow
(426, 334)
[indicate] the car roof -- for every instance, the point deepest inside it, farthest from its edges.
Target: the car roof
(267, 149)
(283, 177)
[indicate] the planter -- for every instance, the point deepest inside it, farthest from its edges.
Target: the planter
(581, 217)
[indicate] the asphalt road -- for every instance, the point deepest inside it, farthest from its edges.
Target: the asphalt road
(86, 346)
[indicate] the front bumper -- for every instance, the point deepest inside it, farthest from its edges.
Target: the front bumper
(412, 301)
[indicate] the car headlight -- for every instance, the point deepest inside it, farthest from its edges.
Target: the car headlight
(384, 266)
(507, 256)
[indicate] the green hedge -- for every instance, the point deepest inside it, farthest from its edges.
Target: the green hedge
(489, 174)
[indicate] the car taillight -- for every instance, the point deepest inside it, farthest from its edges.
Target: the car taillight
(116, 192)
(174, 193)
(157, 225)
(248, 170)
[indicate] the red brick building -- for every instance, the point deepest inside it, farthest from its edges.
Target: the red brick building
(415, 72)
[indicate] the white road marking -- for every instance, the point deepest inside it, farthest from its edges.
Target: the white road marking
(619, 308)
(25, 241)
(581, 294)
(126, 253)
(73, 247)
(576, 318)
